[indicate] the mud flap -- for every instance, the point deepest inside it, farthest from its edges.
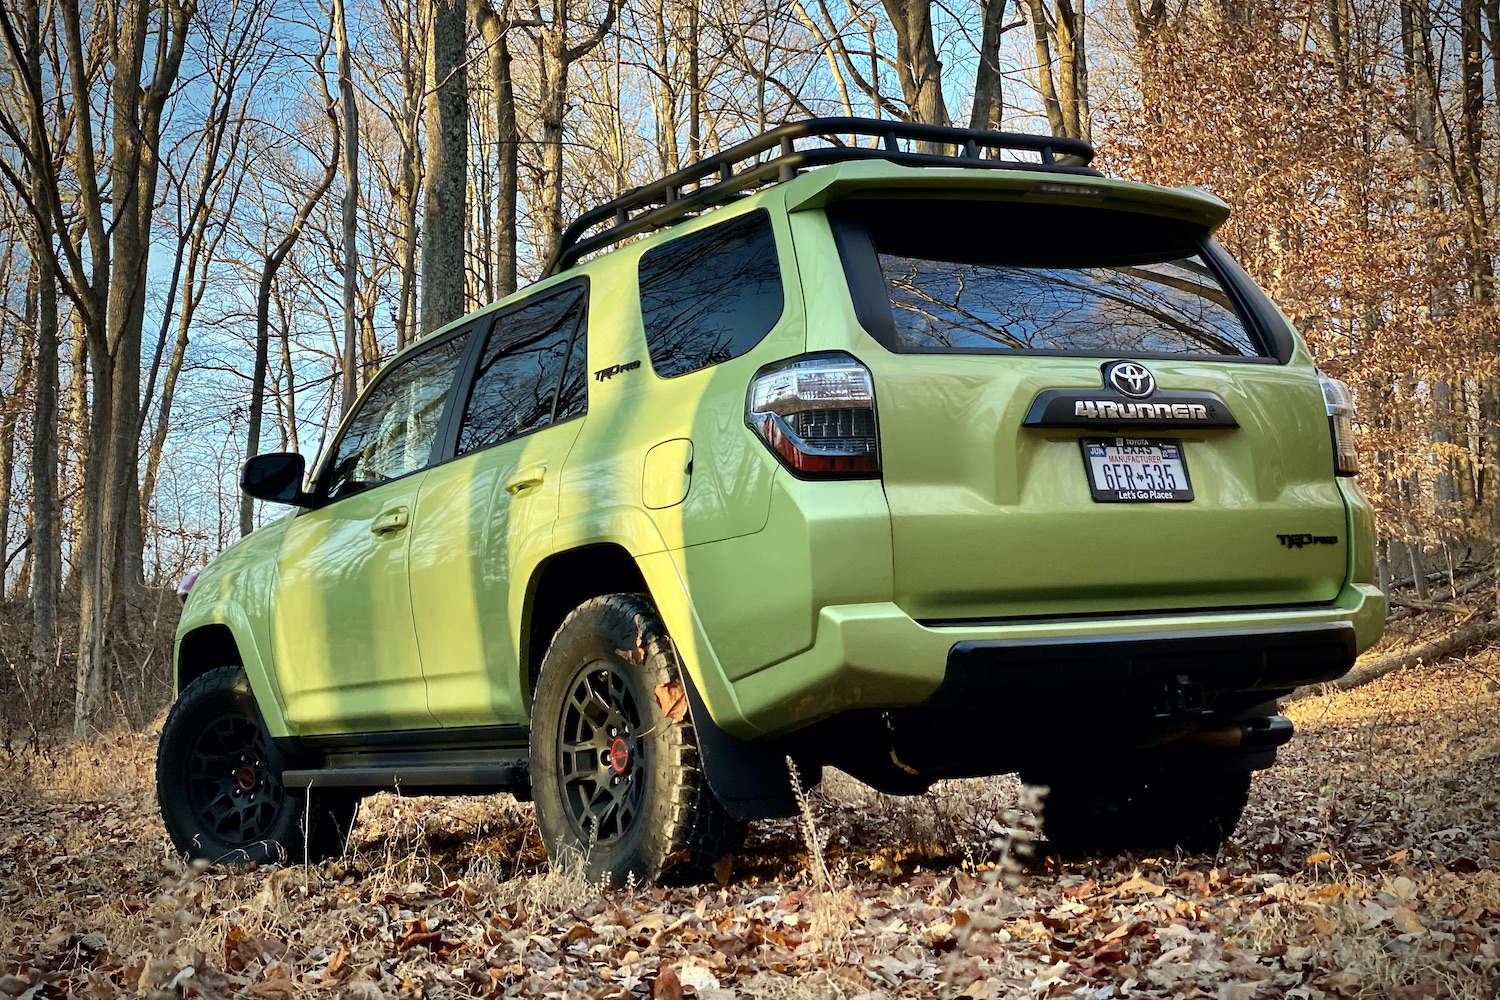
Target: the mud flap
(750, 778)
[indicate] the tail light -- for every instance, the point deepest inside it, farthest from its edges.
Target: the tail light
(817, 414)
(1340, 404)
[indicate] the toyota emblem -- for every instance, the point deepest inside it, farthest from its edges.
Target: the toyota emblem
(1129, 379)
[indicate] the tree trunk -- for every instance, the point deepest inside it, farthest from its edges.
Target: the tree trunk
(14, 404)
(557, 56)
(918, 67)
(270, 264)
(350, 116)
(1042, 34)
(695, 88)
(496, 35)
(989, 100)
(443, 212)
(1068, 53)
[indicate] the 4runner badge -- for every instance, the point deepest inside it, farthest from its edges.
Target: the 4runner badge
(614, 370)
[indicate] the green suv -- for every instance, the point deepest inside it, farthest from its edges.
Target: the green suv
(920, 452)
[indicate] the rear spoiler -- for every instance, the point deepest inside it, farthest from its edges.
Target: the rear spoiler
(874, 179)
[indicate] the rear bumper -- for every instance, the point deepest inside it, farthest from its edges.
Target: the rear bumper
(874, 656)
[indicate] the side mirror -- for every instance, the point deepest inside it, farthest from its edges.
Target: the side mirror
(277, 477)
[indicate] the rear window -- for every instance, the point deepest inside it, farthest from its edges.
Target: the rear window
(1028, 277)
(711, 295)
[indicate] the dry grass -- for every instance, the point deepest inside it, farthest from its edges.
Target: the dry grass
(1368, 866)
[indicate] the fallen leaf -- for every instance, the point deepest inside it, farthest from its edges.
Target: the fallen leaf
(1137, 885)
(723, 868)
(672, 699)
(667, 985)
(1318, 858)
(1407, 921)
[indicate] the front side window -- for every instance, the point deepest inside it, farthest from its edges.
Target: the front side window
(393, 431)
(532, 372)
(711, 295)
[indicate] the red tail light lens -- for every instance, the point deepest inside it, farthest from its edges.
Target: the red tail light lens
(817, 414)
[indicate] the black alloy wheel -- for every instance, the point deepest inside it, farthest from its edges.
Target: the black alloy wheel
(218, 781)
(618, 781)
(600, 754)
(231, 785)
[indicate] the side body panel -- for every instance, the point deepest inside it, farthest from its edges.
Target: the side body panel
(343, 638)
(633, 411)
(484, 524)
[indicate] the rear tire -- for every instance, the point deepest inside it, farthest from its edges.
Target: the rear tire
(617, 781)
(218, 782)
(1165, 804)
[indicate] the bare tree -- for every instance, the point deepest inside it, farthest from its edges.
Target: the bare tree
(443, 204)
(271, 263)
(917, 64)
(556, 54)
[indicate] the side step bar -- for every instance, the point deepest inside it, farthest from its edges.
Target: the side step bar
(493, 773)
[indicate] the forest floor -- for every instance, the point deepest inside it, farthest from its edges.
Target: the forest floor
(1368, 865)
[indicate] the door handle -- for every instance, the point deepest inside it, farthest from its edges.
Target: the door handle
(390, 521)
(526, 479)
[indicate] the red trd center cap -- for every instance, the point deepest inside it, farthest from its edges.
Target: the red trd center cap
(619, 756)
(245, 778)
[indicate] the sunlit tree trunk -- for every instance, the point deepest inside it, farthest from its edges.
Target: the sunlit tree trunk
(444, 215)
(917, 64)
(989, 99)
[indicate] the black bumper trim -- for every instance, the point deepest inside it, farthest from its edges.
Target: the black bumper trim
(1258, 659)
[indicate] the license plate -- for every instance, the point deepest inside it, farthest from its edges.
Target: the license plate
(1136, 470)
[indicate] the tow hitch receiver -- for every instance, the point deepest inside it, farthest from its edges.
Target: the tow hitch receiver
(1179, 697)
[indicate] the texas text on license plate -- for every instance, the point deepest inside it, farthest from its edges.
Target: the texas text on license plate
(1136, 470)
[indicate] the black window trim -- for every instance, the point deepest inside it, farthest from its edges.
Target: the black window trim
(872, 305)
(325, 464)
(777, 244)
(469, 371)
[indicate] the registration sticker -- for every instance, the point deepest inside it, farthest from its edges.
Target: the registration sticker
(1136, 470)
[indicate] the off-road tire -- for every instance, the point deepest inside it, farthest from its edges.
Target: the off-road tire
(217, 712)
(677, 829)
(1164, 805)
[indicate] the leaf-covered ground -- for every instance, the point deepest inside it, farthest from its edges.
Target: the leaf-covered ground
(1367, 866)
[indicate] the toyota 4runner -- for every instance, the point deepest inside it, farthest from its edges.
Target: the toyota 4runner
(920, 452)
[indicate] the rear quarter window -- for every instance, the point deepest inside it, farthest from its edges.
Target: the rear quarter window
(711, 295)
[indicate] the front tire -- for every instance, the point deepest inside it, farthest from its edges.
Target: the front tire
(617, 780)
(218, 782)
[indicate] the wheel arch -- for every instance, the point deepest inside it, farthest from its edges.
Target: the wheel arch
(225, 638)
(562, 582)
(748, 776)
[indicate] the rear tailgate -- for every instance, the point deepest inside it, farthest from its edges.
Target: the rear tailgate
(994, 519)
(990, 328)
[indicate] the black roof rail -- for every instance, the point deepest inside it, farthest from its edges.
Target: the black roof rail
(721, 177)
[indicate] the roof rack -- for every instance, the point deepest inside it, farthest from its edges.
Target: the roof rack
(725, 175)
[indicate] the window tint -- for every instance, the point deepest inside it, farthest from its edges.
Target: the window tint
(392, 432)
(711, 295)
(1175, 306)
(517, 386)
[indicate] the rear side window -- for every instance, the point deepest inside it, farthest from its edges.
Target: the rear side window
(711, 295)
(978, 277)
(531, 373)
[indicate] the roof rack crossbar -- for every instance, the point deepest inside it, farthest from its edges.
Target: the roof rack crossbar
(740, 169)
